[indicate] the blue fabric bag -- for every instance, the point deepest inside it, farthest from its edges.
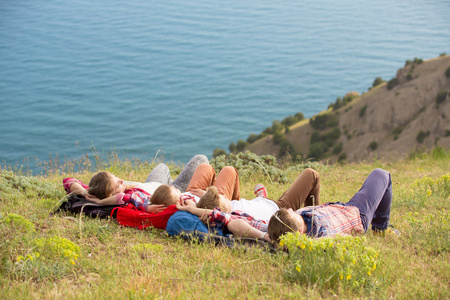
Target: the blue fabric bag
(183, 222)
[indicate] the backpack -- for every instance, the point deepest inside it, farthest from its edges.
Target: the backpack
(77, 204)
(130, 216)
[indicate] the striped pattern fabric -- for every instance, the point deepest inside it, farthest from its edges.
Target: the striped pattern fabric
(332, 219)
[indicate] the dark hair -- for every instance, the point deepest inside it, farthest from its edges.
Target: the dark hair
(101, 185)
(281, 223)
(164, 195)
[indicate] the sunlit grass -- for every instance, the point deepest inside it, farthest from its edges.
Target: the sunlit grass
(64, 256)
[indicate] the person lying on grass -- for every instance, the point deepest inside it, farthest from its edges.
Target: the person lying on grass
(370, 205)
(249, 218)
(106, 189)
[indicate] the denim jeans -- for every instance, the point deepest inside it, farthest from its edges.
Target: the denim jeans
(374, 200)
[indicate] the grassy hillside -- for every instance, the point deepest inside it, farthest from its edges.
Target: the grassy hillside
(410, 111)
(68, 257)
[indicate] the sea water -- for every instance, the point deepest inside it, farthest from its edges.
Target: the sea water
(178, 78)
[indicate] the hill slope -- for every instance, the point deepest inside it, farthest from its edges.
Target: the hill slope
(384, 122)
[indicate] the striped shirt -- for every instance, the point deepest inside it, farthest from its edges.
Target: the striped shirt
(330, 219)
(220, 218)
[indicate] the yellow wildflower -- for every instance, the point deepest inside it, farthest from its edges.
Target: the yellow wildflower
(298, 269)
(349, 276)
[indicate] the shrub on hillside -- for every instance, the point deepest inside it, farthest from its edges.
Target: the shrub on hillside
(241, 144)
(447, 72)
(342, 157)
(362, 111)
(337, 149)
(249, 164)
(232, 147)
(316, 151)
(392, 83)
(422, 135)
(441, 96)
(253, 138)
(218, 152)
(286, 148)
(373, 145)
(323, 121)
(377, 81)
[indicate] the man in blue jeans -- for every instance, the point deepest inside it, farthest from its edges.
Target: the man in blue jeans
(370, 205)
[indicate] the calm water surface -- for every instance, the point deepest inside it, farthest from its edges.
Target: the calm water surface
(186, 77)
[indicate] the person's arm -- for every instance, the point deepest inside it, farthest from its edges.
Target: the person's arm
(241, 228)
(72, 185)
(77, 189)
(198, 192)
(111, 200)
(187, 206)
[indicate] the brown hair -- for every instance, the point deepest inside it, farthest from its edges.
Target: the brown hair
(101, 185)
(211, 199)
(280, 223)
(164, 195)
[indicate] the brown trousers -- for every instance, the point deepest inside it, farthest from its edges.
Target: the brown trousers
(299, 193)
(227, 182)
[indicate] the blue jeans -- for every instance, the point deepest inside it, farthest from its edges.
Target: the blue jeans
(374, 200)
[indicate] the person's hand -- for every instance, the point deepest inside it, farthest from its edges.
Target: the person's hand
(205, 218)
(187, 202)
(180, 205)
(156, 208)
(198, 192)
(92, 198)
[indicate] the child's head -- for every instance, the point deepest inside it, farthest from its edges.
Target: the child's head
(284, 221)
(165, 194)
(104, 184)
(212, 199)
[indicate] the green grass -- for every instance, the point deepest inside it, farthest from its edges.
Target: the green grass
(62, 256)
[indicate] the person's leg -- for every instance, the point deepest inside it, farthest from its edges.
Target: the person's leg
(182, 181)
(227, 183)
(160, 173)
(304, 191)
(204, 176)
(374, 199)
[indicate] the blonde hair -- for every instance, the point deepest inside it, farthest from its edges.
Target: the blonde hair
(164, 195)
(281, 223)
(101, 185)
(211, 200)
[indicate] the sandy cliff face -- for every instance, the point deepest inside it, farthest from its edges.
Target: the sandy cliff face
(409, 107)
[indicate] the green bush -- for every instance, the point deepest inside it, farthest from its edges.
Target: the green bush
(342, 261)
(342, 157)
(241, 144)
(398, 130)
(447, 132)
(441, 96)
(422, 135)
(218, 152)
(253, 138)
(232, 147)
(286, 148)
(323, 121)
(19, 222)
(373, 145)
(377, 81)
(447, 72)
(278, 137)
(249, 164)
(316, 151)
(362, 111)
(337, 149)
(392, 83)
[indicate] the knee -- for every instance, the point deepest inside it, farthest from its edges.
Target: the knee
(200, 158)
(162, 167)
(229, 170)
(312, 173)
